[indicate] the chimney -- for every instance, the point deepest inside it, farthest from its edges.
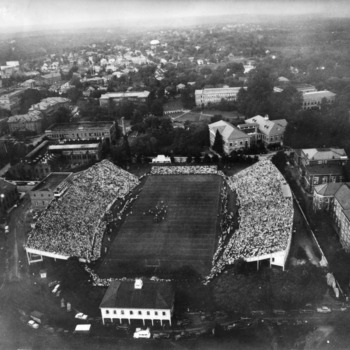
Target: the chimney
(138, 283)
(123, 126)
(266, 117)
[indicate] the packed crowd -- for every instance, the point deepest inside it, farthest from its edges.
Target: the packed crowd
(265, 216)
(74, 224)
(184, 170)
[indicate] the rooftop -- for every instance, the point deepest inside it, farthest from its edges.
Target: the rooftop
(138, 94)
(217, 90)
(51, 182)
(227, 130)
(324, 153)
(343, 196)
(74, 146)
(328, 189)
(319, 94)
(152, 295)
(267, 126)
(80, 126)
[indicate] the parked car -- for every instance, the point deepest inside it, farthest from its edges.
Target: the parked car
(123, 327)
(142, 333)
(324, 309)
(55, 288)
(33, 324)
(161, 335)
(81, 316)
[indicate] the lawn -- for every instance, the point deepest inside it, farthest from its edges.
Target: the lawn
(185, 237)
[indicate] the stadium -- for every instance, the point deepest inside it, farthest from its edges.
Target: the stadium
(174, 217)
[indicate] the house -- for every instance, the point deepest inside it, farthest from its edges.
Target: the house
(323, 196)
(32, 121)
(271, 131)
(148, 301)
(341, 215)
(7, 71)
(51, 78)
(233, 138)
(29, 84)
(52, 186)
(318, 166)
(11, 101)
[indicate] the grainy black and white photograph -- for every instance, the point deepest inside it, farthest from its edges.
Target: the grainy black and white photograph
(174, 174)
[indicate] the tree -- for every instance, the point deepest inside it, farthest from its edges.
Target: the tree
(74, 94)
(62, 115)
(157, 108)
(218, 145)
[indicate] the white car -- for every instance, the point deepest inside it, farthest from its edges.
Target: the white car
(33, 324)
(56, 288)
(81, 316)
(324, 309)
(7, 229)
(142, 333)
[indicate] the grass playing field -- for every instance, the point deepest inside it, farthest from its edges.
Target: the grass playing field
(185, 234)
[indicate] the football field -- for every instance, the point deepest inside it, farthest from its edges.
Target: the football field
(173, 223)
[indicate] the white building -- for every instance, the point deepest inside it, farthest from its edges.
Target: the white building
(215, 95)
(314, 99)
(140, 300)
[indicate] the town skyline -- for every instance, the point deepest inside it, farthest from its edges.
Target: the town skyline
(27, 15)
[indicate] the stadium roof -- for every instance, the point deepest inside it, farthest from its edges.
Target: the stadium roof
(152, 295)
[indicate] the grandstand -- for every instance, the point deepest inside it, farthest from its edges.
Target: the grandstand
(73, 225)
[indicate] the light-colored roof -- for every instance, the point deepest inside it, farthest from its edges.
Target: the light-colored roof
(268, 127)
(318, 94)
(233, 90)
(74, 146)
(328, 189)
(324, 153)
(343, 196)
(228, 131)
(139, 94)
(31, 116)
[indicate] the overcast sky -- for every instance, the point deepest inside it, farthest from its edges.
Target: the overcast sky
(28, 14)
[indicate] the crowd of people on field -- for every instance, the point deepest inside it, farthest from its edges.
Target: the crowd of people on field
(74, 224)
(265, 217)
(184, 170)
(158, 212)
